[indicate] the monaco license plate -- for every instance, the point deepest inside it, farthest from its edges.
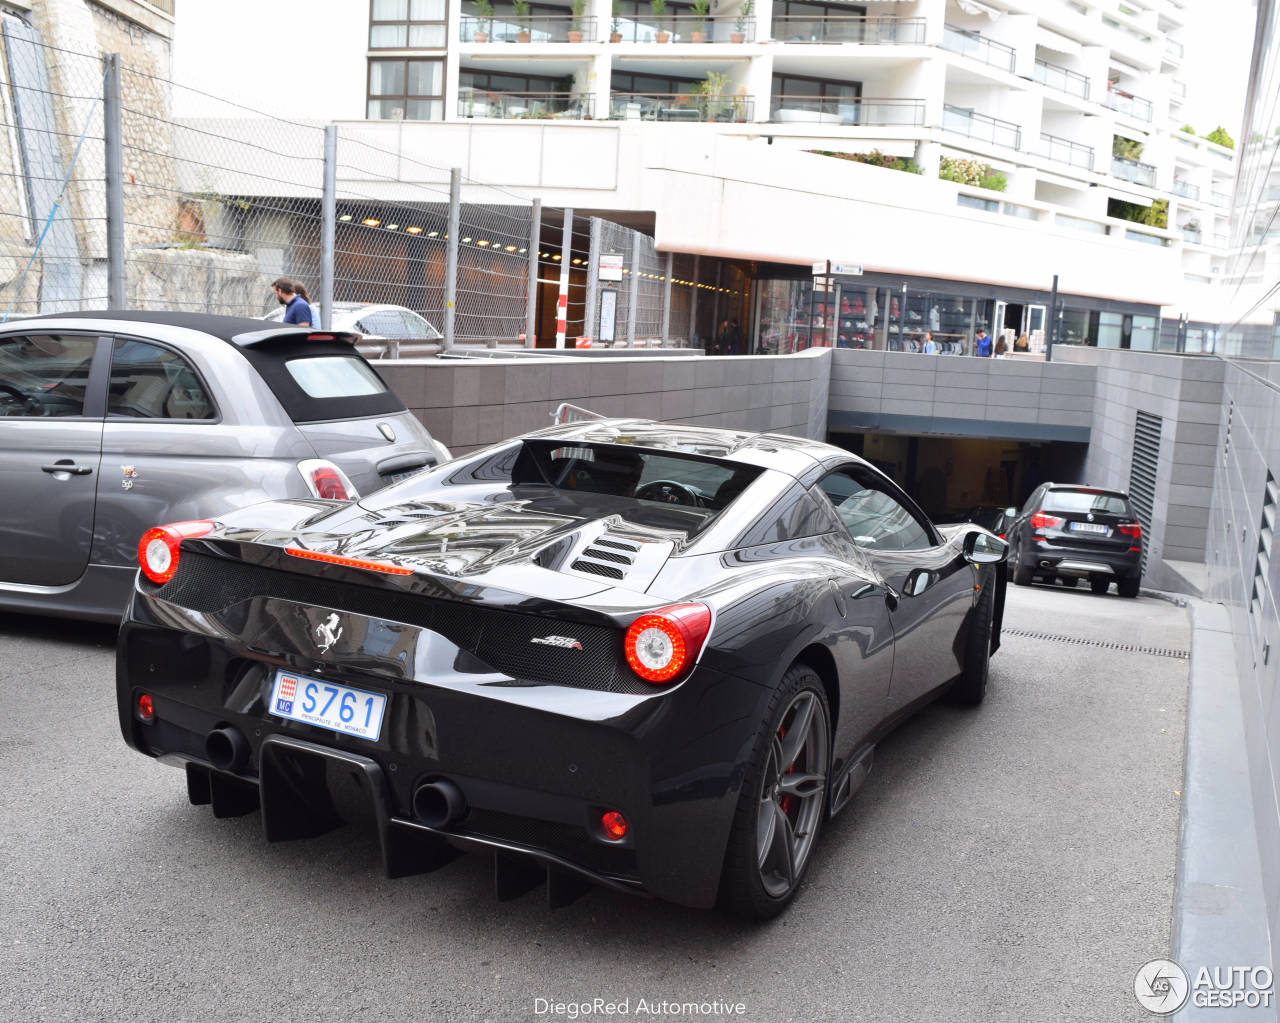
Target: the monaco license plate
(1090, 527)
(327, 705)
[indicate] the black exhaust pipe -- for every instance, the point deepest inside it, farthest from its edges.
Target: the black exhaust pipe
(438, 803)
(227, 749)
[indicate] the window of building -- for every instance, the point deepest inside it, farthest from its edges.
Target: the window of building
(408, 24)
(659, 85)
(492, 81)
(406, 90)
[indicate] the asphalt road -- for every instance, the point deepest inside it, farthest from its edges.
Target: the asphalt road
(1013, 863)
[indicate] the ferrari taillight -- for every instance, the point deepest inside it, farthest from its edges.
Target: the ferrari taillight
(158, 548)
(661, 646)
(326, 480)
(1039, 520)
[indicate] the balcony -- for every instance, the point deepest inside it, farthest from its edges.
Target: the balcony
(524, 105)
(539, 28)
(980, 126)
(874, 31)
(685, 28)
(973, 44)
(1065, 151)
(1062, 79)
(1191, 234)
(1127, 103)
(1220, 199)
(684, 106)
(1186, 190)
(1132, 170)
(1173, 49)
(861, 110)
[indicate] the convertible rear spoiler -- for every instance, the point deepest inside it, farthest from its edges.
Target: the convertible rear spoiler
(289, 333)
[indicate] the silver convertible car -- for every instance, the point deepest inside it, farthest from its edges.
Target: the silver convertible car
(112, 422)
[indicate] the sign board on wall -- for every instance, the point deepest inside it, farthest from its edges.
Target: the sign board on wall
(610, 267)
(608, 314)
(830, 268)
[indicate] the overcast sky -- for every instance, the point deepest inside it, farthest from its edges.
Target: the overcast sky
(1219, 46)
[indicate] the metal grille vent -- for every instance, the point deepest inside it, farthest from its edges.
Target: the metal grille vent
(1266, 530)
(592, 568)
(1105, 644)
(603, 556)
(1142, 473)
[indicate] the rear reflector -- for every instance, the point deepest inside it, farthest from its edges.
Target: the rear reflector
(158, 548)
(333, 559)
(614, 825)
(146, 709)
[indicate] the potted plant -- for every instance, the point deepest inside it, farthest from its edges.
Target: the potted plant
(521, 8)
(615, 26)
(711, 89)
(579, 9)
(484, 14)
(739, 34)
(659, 8)
(699, 11)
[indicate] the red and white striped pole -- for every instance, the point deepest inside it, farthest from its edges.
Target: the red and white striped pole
(566, 258)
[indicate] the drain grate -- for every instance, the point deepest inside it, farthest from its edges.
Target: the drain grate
(1105, 644)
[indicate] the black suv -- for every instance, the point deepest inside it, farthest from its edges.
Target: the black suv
(1073, 532)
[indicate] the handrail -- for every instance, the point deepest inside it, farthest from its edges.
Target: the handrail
(975, 45)
(841, 28)
(504, 105)
(679, 106)
(1063, 79)
(851, 110)
(1077, 155)
(681, 28)
(539, 28)
(991, 129)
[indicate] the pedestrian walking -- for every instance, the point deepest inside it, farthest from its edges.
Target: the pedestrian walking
(297, 310)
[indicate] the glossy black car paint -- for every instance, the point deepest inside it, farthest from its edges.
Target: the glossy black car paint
(1045, 552)
(540, 748)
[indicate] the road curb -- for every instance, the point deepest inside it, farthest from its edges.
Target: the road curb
(1219, 907)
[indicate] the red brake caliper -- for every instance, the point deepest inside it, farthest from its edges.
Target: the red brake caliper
(785, 801)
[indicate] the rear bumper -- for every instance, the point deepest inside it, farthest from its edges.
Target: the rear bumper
(1046, 555)
(536, 764)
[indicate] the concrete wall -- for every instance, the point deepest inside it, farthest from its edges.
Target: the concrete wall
(1186, 393)
(1023, 399)
(468, 404)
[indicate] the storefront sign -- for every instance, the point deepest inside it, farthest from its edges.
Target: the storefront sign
(610, 267)
(830, 268)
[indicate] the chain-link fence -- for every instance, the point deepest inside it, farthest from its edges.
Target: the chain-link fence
(113, 201)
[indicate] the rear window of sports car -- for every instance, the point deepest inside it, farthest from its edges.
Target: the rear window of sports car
(616, 470)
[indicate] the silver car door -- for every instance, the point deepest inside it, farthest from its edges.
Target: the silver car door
(50, 450)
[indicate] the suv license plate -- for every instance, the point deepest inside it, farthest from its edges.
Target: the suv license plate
(1089, 527)
(327, 705)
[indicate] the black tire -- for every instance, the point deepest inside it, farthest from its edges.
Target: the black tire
(1099, 583)
(971, 687)
(760, 884)
(1069, 580)
(1129, 587)
(1022, 574)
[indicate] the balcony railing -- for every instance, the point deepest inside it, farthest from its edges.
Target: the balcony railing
(1220, 198)
(1065, 151)
(877, 31)
(539, 28)
(980, 126)
(1132, 170)
(1177, 89)
(790, 109)
(685, 28)
(1126, 103)
(1191, 234)
(524, 105)
(1063, 79)
(973, 44)
(684, 106)
(1173, 48)
(1186, 190)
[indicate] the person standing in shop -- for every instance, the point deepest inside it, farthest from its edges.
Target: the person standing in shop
(930, 346)
(982, 344)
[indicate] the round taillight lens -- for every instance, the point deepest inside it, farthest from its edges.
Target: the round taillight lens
(158, 548)
(661, 645)
(146, 709)
(614, 825)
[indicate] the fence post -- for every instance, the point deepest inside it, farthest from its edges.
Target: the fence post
(693, 302)
(634, 304)
(114, 181)
(590, 324)
(328, 224)
(451, 257)
(566, 257)
(531, 302)
(666, 300)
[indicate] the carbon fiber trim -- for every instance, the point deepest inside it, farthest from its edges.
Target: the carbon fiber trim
(504, 640)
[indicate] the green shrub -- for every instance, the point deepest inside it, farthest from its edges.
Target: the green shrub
(972, 172)
(875, 158)
(1155, 215)
(1126, 149)
(1188, 129)
(1220, 136)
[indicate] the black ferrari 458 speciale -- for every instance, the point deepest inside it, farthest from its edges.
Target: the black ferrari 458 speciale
(651, 657)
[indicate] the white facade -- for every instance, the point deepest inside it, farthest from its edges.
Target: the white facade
(1038, 92)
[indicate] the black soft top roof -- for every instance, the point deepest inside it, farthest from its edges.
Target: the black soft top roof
(286, 343)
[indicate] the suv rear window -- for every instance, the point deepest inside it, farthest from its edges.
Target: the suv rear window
(1081, 501)
(321, 379)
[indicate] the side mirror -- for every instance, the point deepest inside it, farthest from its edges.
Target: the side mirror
(1011, 512)
(984, 549)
